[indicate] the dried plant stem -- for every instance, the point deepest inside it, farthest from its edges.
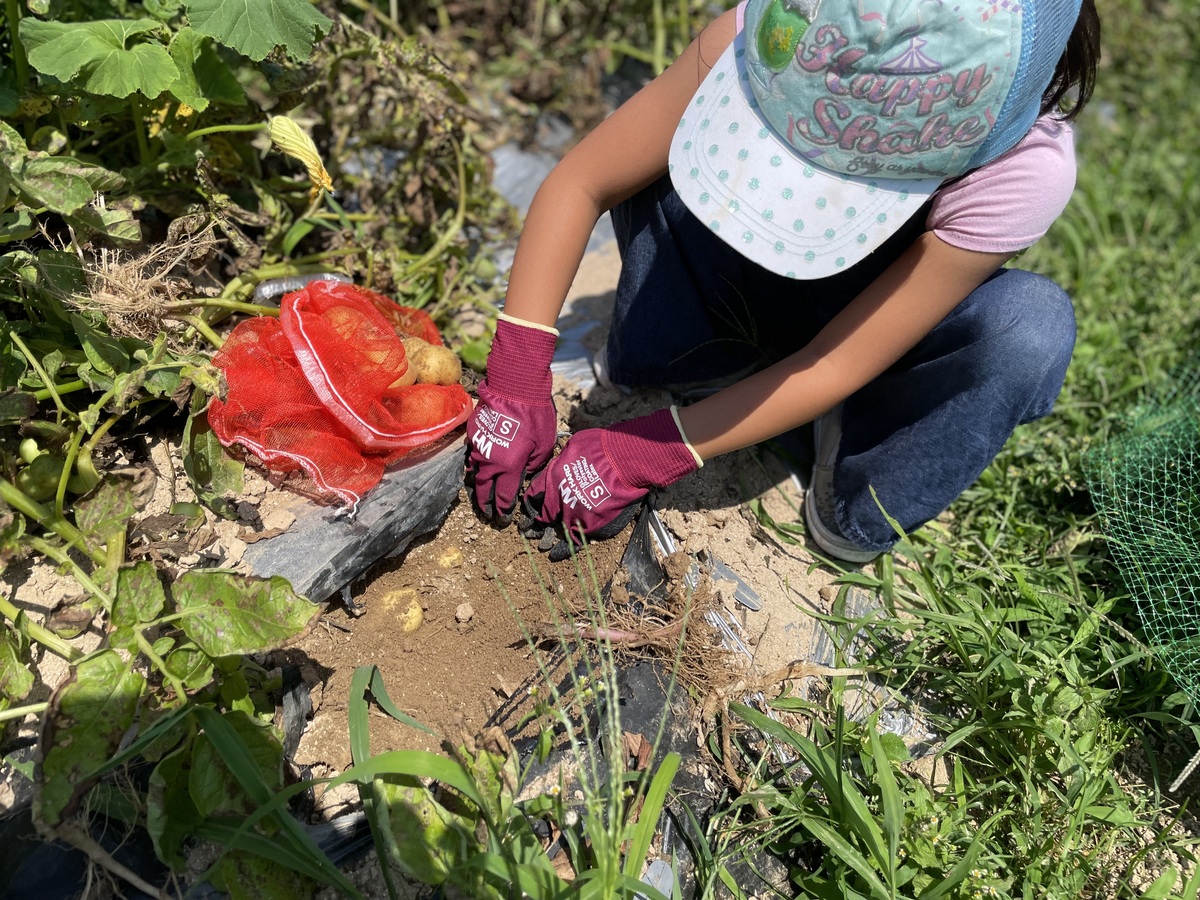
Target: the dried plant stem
(74, 835)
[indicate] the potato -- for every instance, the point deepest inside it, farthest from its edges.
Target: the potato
(413, 346)
(406, 606)
(438, 365)
(409, 376)
(433, 364)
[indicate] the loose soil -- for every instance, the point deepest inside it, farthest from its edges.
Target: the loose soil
(481, 592)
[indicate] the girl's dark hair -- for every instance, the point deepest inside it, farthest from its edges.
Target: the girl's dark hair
(1077, 66)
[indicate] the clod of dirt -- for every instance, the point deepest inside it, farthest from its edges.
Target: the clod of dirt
(464, 613)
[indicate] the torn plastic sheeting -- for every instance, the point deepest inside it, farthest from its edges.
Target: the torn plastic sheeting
(323, 388)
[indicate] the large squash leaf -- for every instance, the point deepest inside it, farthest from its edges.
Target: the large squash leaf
(97, 56)
(256, 27)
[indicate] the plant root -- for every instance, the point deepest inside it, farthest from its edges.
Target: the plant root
(133, 293)
(78, 838)
(666, 637)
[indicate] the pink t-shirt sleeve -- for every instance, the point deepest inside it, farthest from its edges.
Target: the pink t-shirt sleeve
(1008, 204)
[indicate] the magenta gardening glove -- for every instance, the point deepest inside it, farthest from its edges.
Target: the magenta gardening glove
(514, 426)
(593, 486)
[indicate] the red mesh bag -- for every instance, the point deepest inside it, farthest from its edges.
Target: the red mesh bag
(273, 407)
(404, 319)
(355, 362)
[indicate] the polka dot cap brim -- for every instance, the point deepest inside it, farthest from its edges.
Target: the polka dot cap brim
(785, 213)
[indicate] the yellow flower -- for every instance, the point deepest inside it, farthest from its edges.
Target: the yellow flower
(292, 140)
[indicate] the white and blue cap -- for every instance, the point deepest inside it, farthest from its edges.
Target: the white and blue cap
(827, 124)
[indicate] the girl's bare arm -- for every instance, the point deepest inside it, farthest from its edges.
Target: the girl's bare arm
(864, 339)
(622, 155)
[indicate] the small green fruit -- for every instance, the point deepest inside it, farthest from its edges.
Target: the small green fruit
(39, 479)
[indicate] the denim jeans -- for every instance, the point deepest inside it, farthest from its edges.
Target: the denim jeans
(690, 308)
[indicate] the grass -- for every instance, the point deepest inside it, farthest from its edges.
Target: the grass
(1008, 621)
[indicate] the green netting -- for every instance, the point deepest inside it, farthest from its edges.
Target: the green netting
(1146, 486)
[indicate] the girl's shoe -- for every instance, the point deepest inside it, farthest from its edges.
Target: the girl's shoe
(819, 499)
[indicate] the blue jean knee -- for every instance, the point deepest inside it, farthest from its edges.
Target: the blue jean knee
(922, 432)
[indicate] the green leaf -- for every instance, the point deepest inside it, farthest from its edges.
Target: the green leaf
(214, 475)
(96, 56)
(1162, 886)
(206, 377)
(104, 515)
(214, 788)
(98, 178)
(474, 353)
(369, 680)
(16, 226)
(16, 405)
(297, 848)
(185, 47)
(10, 97)
(251, 877)
(293, 854)
(655, 796)
(104, 352)
(171, 816)
(256, 27)
(191, 666)
(118, 225)
(424, 838)
(42, 183)
(847, 853)
(163, 10)
(87, 718)
(140, 595)
(61, 272)
(203, 76)
(13, 149)
(12, 528)
(890, 800)
(16, 665)
(162, 383)
(894, 747)
(226, 613)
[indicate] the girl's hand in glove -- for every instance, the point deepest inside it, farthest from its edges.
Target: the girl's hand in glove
(593, 486)
(514, 426)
